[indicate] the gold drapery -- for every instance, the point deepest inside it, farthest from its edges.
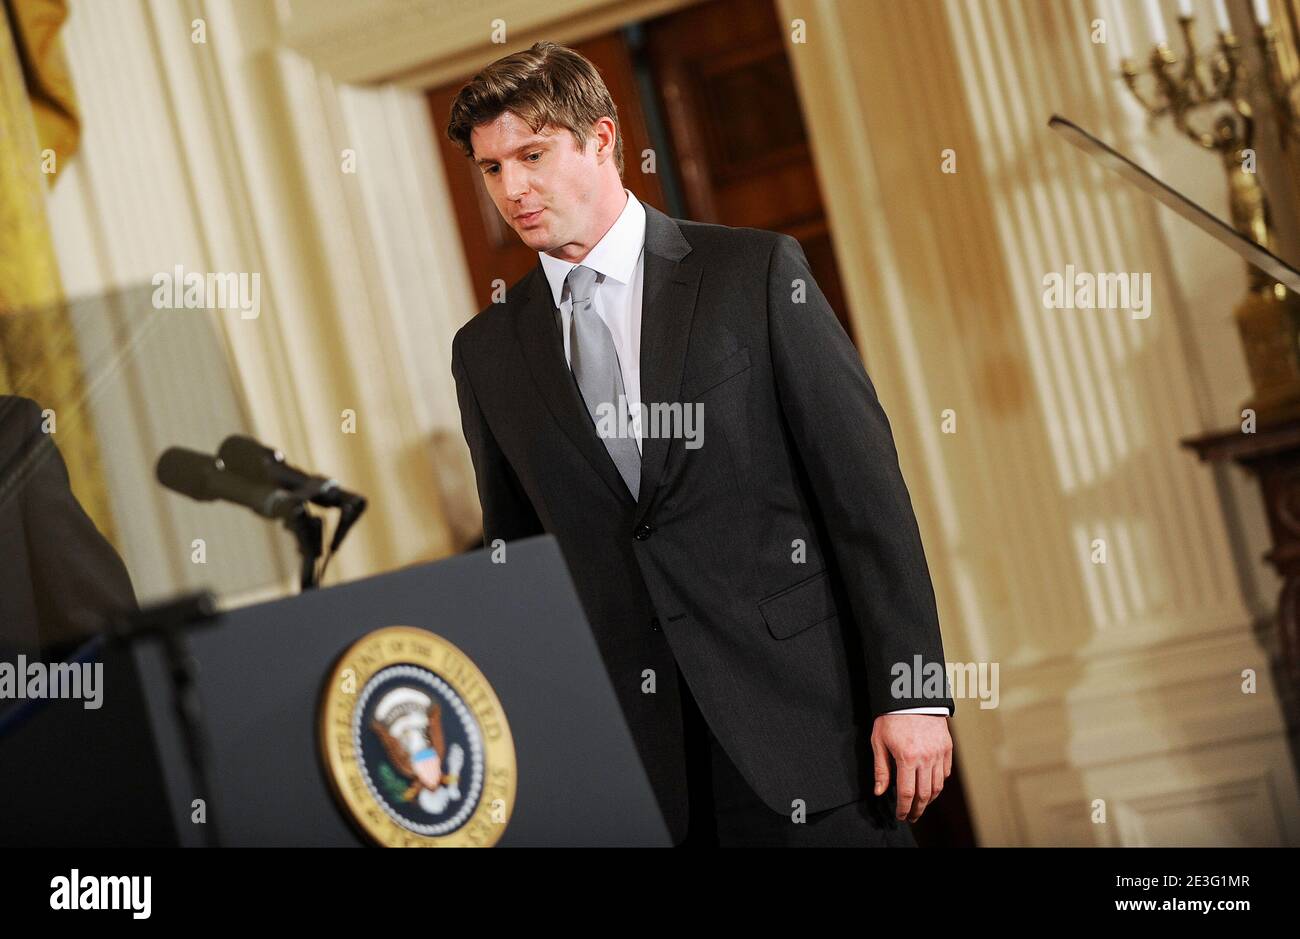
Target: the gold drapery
(38, 349)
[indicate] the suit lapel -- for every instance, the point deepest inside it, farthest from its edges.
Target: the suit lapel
(668, 296)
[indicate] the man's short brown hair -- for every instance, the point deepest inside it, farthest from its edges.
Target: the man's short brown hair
(547, 84)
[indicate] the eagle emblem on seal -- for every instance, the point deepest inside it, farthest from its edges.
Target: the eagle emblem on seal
(420, 766)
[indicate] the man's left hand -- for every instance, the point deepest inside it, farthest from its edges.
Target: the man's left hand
(922, 752)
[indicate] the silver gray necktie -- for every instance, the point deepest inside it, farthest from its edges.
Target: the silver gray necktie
(594, 361)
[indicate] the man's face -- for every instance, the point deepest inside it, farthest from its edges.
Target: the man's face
(543, 173)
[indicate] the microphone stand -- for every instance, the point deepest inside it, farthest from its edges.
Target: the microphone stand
(255, 462)
(308, 530)
(166, 622)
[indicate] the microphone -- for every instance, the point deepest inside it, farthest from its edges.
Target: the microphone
(248, 457)
(205, 478)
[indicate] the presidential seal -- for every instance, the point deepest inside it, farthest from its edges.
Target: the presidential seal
(415, 743)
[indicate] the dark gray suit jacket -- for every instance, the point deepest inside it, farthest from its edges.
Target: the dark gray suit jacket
(790, 662)
(60, 579)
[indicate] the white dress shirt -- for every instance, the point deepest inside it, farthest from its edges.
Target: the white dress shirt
(619, 262)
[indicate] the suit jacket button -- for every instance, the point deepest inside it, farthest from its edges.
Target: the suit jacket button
(654, 624)
(642, 532)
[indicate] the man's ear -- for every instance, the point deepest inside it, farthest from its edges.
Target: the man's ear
(613, 135)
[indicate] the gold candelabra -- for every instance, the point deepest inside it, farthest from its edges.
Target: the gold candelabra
(1207, 95)
(1283, 91)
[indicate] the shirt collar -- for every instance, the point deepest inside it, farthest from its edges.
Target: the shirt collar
(615, 255)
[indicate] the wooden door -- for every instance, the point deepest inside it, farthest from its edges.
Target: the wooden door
(732, 113)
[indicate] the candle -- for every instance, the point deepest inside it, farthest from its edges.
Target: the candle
(1221, 14)
(1155, 20)
(1184, 7)
(1262, 15)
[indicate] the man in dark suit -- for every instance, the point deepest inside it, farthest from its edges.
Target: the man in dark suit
(60, 579)
(677, 403)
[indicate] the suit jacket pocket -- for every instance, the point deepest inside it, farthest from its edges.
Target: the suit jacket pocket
(801, 606)
(715, 374)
